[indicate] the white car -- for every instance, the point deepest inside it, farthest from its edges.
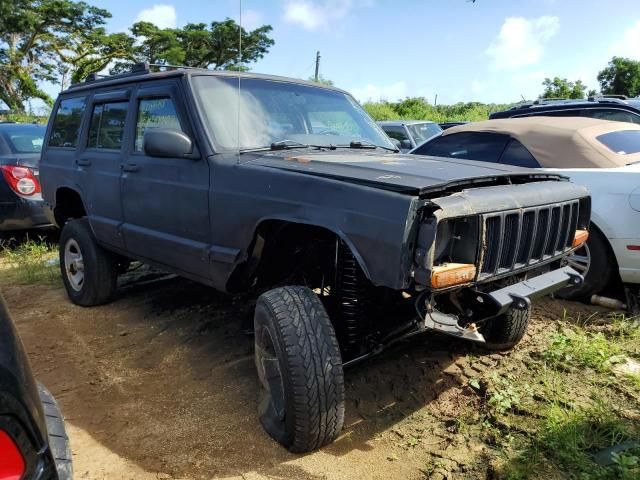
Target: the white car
(602, 155)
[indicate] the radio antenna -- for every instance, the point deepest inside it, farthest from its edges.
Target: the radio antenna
(239, 68)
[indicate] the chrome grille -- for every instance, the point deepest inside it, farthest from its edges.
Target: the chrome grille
(519, 238)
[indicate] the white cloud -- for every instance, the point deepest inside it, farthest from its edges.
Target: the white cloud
(315, 14)
(370, 92)
(629, 44)
(521, 41)
(252, 19)
(163, 16)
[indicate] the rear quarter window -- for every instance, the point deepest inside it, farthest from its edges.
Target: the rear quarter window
(613, 115)
(622, 142)
(66, 123)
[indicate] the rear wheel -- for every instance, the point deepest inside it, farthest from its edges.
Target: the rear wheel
(594, 261)
(300, 369)
(89, 272)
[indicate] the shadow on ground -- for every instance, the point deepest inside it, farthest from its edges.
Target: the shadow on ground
(164, 377)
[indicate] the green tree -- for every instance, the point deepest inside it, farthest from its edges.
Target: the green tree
(33, 33)
(199, 45)
(563, 88)
(321, 80)
(620, 77)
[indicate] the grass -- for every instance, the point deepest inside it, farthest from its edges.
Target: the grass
(30, 261)
(571, 405)
(578, 348)
(567, 440)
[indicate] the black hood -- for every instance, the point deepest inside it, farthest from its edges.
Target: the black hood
(413, 174)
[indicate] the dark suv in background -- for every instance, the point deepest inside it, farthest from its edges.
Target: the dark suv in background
(604, 108)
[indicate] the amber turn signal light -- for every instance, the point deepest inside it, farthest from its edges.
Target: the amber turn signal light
(580, 237)
(452, 274)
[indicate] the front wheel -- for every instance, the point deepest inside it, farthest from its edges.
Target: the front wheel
(505, 331)
(300, 369)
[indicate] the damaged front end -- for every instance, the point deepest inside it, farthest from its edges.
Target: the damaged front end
(474, 262)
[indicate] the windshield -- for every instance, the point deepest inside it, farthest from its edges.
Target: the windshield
(273, 111)
(23, 138)
(421, 132)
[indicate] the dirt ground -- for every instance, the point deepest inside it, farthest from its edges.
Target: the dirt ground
(160, 384)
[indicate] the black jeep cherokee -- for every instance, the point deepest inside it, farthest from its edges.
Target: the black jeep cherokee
(280, 186)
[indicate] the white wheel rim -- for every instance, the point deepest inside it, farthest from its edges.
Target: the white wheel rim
(74, 264)
(580, 260)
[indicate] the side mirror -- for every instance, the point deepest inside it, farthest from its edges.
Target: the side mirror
(396, 143)
(164, 142)
(406, 144)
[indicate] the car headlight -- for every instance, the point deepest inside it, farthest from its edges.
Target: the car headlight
(457, 241)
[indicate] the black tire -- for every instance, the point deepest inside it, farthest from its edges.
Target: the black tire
(505, 331)
(99, 267)
(300, 369)
(600, 270)
(58, 439)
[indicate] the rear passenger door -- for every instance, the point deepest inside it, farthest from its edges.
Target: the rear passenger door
(165, 200)
(100, 159)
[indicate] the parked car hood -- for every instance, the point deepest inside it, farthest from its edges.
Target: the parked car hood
(412, 174)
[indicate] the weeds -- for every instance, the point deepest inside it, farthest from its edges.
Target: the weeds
(570, 437)
(30, 262)
(578, 348)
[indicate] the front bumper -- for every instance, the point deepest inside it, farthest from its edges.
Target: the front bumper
(519, 295)
(497, 302)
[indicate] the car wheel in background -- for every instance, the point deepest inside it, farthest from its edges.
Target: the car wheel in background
(595, 262)
(89, 272)
(300, 369)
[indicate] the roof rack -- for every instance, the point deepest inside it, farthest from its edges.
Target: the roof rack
(140, 68)
(619, 97)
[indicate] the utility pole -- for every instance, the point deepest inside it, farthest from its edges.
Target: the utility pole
(317, 64)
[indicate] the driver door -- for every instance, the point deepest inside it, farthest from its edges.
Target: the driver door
(165, 201)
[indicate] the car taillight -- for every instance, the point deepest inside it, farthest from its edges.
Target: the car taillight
(21, 180)
(12, 465)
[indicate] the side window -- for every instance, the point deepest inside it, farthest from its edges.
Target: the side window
(107, 125)
(611, 114)
(155, 113)
(518, 155)
(486, 147)
(396, 132)
(66, 123)
(554, 113)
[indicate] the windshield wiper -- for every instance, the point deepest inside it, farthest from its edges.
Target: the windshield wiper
(366, 145)
(286, 144)
(281, 145)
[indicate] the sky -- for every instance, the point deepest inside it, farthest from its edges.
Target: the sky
(488, 51)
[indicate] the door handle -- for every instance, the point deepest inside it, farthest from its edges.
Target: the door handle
(130, 167)
(83, 162)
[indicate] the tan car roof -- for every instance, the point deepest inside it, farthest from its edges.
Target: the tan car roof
(559, 142)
